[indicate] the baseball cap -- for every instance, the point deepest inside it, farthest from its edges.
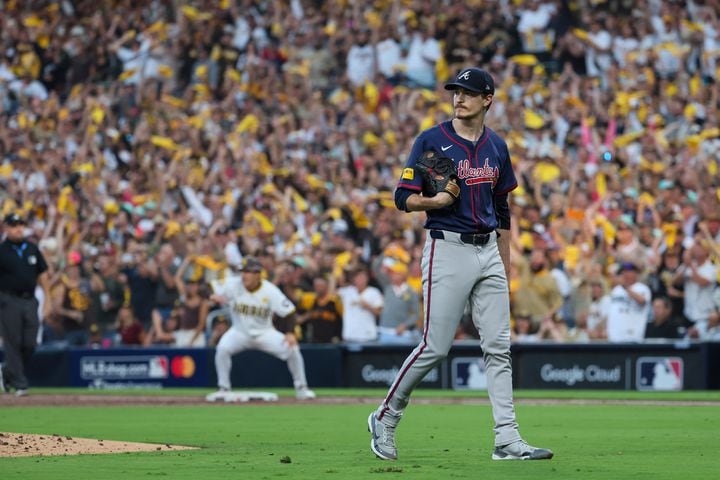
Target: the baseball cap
(628, 266)
(475, 80)
(13, 219)
(251, 264)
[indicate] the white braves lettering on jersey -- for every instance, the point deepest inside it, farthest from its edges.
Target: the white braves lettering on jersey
(472, 175)
(252, 312)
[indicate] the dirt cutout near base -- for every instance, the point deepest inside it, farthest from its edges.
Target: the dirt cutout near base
(26, 445)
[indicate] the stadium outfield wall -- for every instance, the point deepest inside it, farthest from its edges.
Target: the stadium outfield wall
(649, 366)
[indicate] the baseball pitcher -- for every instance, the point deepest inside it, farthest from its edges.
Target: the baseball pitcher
(459, 172)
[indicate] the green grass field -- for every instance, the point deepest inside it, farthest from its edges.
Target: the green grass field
(608, 441)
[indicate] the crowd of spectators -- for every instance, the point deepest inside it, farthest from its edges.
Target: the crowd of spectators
(151, 145)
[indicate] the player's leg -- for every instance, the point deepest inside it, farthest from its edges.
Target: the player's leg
(490, 304)
(231, 343)
(445, 294)
(275, 343)
(491, 316)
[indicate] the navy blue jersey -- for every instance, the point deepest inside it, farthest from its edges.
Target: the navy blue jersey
(485, 172)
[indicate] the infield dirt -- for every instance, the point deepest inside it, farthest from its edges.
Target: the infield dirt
(25, 445)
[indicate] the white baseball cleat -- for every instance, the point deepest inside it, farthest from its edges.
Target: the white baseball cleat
(305, 393)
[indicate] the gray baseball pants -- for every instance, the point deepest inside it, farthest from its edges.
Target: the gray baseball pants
(453, 273)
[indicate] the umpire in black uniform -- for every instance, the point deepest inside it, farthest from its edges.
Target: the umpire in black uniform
(22, 267)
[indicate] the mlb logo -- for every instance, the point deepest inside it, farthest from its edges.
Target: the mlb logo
(158, 367)
(468, 373)
(659, 373)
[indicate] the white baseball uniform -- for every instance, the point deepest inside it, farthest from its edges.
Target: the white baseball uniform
(252, 328)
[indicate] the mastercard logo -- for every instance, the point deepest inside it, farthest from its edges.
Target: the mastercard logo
(182, 366)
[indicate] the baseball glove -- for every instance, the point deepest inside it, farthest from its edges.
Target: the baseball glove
(438, 173)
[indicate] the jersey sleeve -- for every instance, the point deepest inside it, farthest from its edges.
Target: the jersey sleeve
(409, 179)
(279, 303)
(506, 181)
(225, 287)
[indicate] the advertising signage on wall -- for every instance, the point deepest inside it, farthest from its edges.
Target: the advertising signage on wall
(380, 369)
(580, 373)
(139, 368)
(649, 366)
(659, 373)
(379, 372)
(659, 367)
(468, 373)
(569, 370)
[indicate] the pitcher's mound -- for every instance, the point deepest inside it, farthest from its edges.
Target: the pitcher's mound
(26, 444)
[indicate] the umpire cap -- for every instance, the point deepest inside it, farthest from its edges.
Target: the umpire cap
(13, 219)
(475, 80)
(251, 264)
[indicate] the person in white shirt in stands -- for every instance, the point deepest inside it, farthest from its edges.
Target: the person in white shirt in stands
(360, 59)
(136, 54)
(625, 42)
(423, 54)
(532, 26)
(629, 309)
(389, 54)
(713, 331)
(26, 86)
(700, 276)
(362, 304)
(598, 56)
